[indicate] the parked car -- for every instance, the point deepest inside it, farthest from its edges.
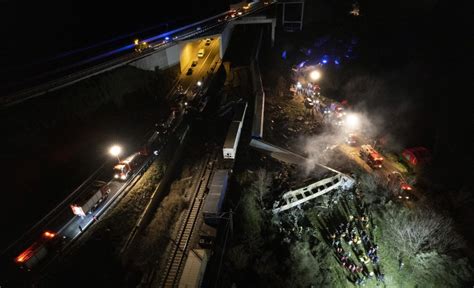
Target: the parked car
(194, 63)
(190, 71)
(201, 53)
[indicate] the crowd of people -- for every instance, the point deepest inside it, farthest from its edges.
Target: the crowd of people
(353, 244)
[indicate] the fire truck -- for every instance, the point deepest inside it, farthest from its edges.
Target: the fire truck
(37, 251)
(125, 168)
(371, 156)
(399, 186)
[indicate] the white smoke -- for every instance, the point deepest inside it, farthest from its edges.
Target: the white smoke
(321, 149)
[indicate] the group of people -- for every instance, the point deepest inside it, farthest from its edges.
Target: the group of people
(355, 250)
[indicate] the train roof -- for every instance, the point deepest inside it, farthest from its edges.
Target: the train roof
(232, 134)
(239, 111)
(217, 190)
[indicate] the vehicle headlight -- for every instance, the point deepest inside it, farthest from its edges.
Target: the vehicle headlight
(116, 176)
(123, 177)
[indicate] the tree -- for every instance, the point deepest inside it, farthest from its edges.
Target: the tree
(239, 257)
(262, 183)
(314, 267)
(367, 183)
(371, 190)
(304, 268)
(268, 269)
(420, 230)
(251, 221)
(434, 270)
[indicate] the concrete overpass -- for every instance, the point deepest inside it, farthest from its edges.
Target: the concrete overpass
(183, 52)
(180, 47)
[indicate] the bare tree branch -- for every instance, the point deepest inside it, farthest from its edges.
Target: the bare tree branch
(262, 184)
(420, 231)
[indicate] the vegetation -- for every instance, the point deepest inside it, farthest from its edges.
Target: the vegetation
(421, 248)
(418, 247)
(262, 184)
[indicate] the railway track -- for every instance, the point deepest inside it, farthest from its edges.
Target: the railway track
(175, 263)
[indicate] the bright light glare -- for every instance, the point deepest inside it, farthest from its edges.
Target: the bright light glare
(115, 150)
(315, 75)
(48, 234)
(298, 85)
(352, 121)
(199, 83)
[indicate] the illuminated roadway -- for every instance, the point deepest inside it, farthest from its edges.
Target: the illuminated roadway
(71, 229)
(203, 69)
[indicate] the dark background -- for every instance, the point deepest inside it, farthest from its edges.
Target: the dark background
(37, 34)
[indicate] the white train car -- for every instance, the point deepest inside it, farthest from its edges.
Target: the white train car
(232, 140)
(233, 134)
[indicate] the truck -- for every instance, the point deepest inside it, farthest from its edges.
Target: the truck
(31, 256)
(212, 207)
(371, 156)
(399, 186)
(89, 200)
(125, 168)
